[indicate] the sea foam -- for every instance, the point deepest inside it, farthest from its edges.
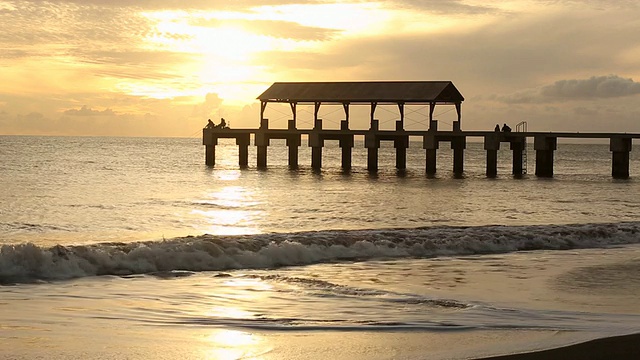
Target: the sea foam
(31, 263)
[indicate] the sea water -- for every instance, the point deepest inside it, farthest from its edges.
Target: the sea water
(133, 248)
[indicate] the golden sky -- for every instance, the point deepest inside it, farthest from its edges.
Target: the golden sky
(162, 67)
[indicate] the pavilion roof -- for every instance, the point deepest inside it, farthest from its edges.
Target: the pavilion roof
(417, 92)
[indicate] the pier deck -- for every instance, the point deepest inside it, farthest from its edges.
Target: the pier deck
(545, 143)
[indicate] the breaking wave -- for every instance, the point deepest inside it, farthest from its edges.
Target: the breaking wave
(31, 263)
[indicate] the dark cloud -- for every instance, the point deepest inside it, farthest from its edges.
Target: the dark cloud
(454, 7)
(506, 54)
(584, 111)
(595, 4)
(595, 87)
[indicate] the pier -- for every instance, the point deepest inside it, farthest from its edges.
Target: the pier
(431, 93)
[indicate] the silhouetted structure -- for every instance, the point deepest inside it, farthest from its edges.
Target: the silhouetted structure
(431, 93)
(372, 93)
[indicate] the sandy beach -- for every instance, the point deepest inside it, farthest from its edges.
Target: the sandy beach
(201, 343)
(618, 347)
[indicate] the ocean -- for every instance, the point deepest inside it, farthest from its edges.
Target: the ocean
(115, 247)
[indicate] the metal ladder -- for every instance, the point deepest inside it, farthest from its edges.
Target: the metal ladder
(522, 127)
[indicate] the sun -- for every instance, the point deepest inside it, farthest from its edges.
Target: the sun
(222, 54)
(227, 52)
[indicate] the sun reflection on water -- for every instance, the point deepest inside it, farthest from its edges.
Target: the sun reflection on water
(234, 344)
(228, 211)
(227, 175)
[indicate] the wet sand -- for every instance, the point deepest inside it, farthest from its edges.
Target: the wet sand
(619, 348)
(167, 342)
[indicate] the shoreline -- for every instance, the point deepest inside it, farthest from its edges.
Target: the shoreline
(621, 347)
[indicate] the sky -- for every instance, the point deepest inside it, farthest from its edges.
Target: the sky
(163, 67)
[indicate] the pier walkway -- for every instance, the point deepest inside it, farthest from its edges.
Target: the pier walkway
(544, 144)
(431, 93)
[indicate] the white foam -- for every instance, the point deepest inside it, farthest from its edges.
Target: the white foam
(28, 262)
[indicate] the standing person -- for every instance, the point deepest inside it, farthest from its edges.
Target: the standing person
(497, 128)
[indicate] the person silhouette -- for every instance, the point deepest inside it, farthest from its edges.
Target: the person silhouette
(223, 123)
(497, 128)
(210, 124)
(506, 128)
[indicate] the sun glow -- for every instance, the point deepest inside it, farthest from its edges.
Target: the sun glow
(223, 52)
(226, 52)
(224, 47)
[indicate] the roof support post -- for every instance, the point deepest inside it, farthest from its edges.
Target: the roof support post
(456, 124)
(293, 110)
(316, 109)
(345, 106)
(263, 106)
(373, 112)
(432, 107)
(401, 109)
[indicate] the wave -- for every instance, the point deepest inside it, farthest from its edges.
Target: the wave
(31, 263)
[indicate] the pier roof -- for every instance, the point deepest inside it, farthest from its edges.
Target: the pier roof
(392, 92)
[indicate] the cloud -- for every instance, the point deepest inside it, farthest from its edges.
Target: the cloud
(596, 4)
(444, 6)
(595, 87)
(211, 104)
(272, 28)
(178, 5)
(288, 30)
(86, 111)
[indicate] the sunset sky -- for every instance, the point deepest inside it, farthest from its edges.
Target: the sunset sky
(162, 67)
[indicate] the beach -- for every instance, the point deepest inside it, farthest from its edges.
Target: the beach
(205, 344)
(619, 347)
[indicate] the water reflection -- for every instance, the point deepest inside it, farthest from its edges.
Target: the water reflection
(235, 344)
(229, 312)
(226, 211)
(226, 175)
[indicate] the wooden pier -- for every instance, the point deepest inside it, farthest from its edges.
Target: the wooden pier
(400, 93)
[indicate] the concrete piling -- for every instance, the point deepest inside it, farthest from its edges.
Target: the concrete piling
(430, 144)
(458, 144)
(401, 144)
(544, 146)
(492, 145)
(316, 142)
(243, 150)
(210, 155)
(517, 147)
(620, 148)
